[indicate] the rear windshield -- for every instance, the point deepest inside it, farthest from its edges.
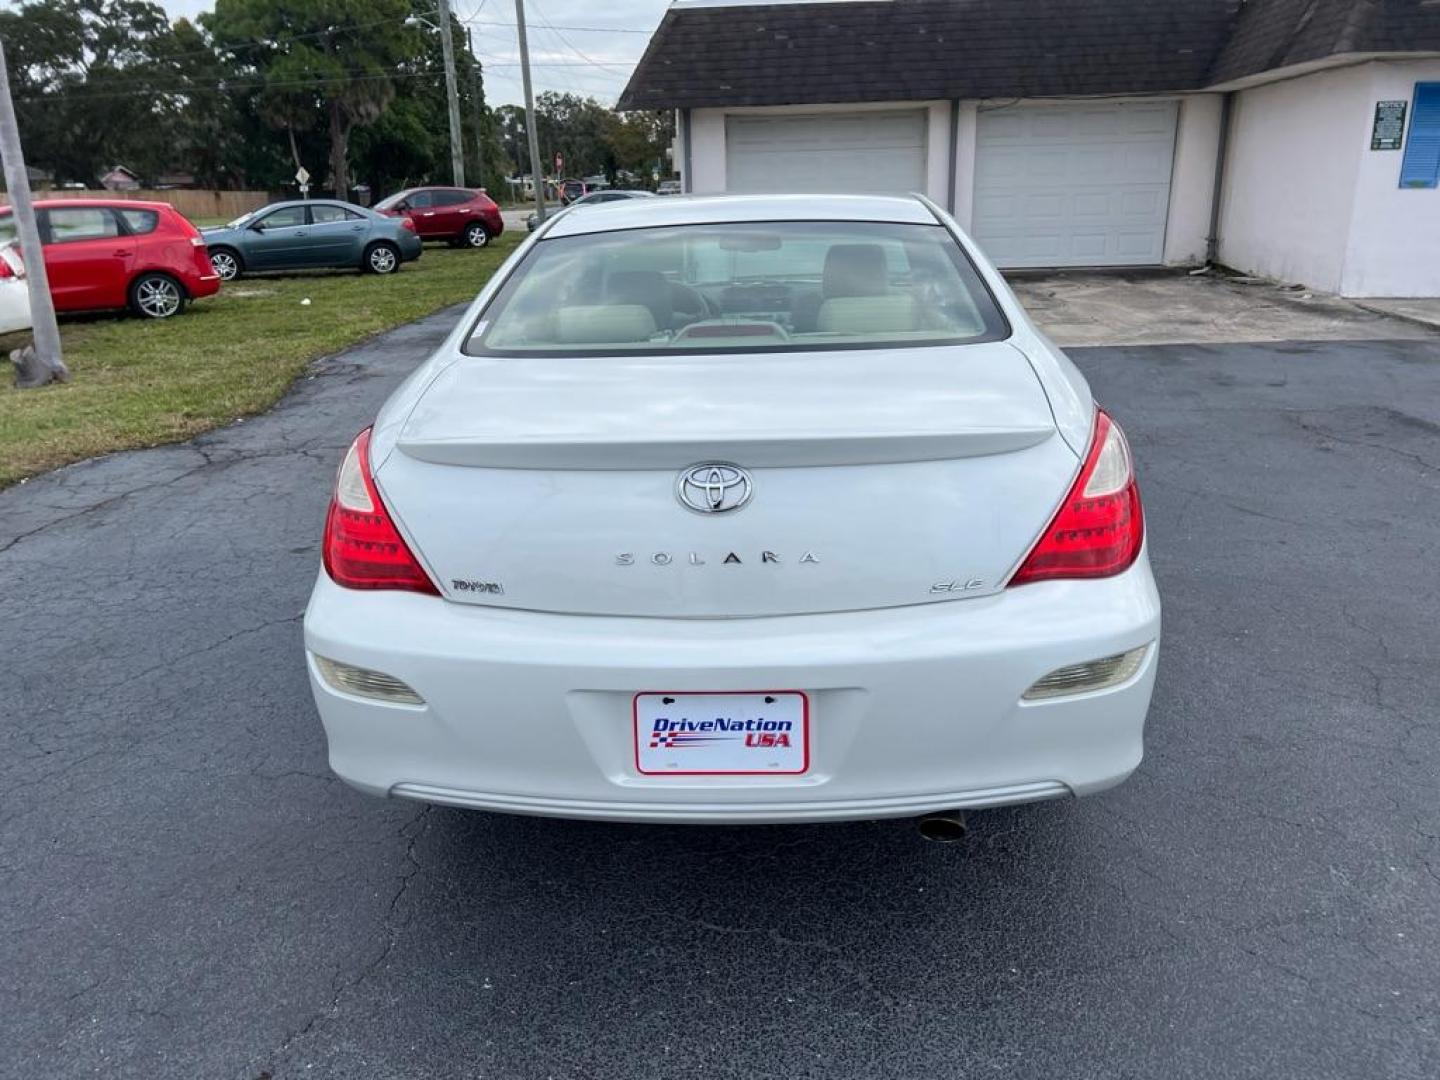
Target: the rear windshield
(767, 286)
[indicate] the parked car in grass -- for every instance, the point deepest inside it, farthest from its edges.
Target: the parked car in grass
(463, 217)
(120, 253)
(14, 290)
(668, 187)
(312, 234)
(532, 222)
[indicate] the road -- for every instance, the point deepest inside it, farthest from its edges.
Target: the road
(186, 892)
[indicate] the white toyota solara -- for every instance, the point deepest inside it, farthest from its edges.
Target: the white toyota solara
(741, 509)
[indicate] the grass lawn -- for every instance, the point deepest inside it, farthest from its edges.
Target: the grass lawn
(140, 383)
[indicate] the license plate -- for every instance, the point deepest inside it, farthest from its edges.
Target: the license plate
(759, 733)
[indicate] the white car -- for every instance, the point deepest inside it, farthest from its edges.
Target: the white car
(595, 198)
(14, 290)
(743, 509)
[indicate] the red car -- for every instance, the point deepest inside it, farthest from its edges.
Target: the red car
(462, 216)
(117, 253)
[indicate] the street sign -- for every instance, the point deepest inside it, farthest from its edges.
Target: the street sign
(559, 163)
(302, 176)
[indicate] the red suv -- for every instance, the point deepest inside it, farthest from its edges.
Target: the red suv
(464, 217)
(117, 253)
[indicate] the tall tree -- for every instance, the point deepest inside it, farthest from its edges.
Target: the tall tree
(334, 60)
(510, 130)
(575, 128)
(215, 130)
(91, 83)
(641, 141)
(410, 143)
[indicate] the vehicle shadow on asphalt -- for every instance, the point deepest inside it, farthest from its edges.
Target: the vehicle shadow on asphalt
(817, 883)
(860, 928)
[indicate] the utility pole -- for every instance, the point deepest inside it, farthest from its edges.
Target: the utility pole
(475, 113)
(535, 177)
(17, 181)
(457, 146)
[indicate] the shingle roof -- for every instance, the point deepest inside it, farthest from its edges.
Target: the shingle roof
(915, 50)
(1272, 34)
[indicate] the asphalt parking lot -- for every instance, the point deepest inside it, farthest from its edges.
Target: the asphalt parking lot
(186, 892)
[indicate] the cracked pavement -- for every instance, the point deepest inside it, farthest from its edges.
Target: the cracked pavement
(186, 892)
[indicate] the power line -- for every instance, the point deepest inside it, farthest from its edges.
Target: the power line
(246, 82)
(231, 85)
(271, 43)
(498, 63)
(545, 21)
(576, 29)
(226, 86)
(340, 31)
(256, 83)
(493, 61)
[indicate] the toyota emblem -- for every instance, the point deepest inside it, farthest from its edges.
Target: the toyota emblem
(714, 487)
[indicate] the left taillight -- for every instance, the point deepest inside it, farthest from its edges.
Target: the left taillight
(1098, 530)
(363, 548)
(406, 223)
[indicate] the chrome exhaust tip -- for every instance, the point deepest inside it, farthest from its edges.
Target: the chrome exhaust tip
(946, 827)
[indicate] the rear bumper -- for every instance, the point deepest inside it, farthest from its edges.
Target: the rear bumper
(913, 709)
(203, 285)
(411, 246)
(14, 306)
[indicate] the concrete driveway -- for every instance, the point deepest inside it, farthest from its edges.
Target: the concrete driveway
(1166, 307)
(186, 892)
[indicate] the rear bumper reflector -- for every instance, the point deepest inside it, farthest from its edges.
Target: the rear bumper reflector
(363, 682)
(1092, 675)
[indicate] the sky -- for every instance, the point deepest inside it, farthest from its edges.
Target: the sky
(591, 50)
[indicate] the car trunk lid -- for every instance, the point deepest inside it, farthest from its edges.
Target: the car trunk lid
(878, 478)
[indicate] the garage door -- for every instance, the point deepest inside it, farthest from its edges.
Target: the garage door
(1074, 185)
(829, 152)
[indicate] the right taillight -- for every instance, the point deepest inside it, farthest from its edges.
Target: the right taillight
(1100, 526)
(363, 548)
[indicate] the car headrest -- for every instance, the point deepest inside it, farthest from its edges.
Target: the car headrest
(859, 315)
(855, 270)
(603, 324)
(647, 287)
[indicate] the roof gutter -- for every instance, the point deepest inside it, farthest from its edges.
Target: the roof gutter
(1222, 151)
(687, 185)
(954, 153)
